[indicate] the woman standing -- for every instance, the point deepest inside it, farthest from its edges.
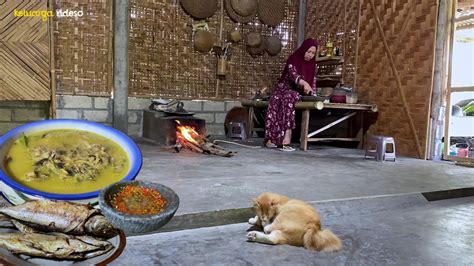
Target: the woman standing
(298, 78)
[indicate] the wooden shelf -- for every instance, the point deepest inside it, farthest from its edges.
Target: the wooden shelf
(326, 58)
(330, 60)
(323, 77)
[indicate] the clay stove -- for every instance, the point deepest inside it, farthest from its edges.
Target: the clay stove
(162, 128)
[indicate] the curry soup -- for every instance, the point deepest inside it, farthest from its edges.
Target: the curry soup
(66, 161)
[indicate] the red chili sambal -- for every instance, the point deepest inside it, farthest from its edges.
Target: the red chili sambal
(138, 200)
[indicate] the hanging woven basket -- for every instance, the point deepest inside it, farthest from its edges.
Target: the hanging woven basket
(271, 12)
(203, 41)
(199, 9)
(254, 39)
(235, 36)
(245, 7)
(256, 51)
(235, 16)
(273, 45)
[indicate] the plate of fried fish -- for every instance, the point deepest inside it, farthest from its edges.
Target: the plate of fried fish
(48, 232)
(16, 197)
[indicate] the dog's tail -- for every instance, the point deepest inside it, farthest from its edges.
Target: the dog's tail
(321, 240)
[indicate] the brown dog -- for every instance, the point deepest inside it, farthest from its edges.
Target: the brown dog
(292, 222)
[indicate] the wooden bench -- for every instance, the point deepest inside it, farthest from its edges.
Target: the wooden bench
(306, 107)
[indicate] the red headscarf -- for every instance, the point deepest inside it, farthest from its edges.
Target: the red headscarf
(304, 68)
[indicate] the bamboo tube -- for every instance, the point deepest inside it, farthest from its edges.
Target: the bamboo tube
(397, 79)
(218, 82)
(356, 63)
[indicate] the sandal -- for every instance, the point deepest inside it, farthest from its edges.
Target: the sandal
(287, 148)
(270, 145)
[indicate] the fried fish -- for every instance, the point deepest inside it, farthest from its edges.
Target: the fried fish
(61, 216)
(57, 245)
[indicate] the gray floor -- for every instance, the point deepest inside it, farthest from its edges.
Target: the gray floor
(407, 231)
(375, 208)
(210, 183)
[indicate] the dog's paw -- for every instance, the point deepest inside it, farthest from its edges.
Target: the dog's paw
(267, 229)
(253, 221)
(252, 236)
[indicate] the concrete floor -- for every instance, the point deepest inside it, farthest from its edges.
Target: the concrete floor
(376, 208)
(407, 231)
(211, 183)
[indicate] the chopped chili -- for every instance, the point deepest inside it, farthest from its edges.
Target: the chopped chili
(138, 200)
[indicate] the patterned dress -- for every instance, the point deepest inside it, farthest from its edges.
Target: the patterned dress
(281, 108)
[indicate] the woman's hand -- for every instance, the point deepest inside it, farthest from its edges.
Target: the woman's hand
(306, 87)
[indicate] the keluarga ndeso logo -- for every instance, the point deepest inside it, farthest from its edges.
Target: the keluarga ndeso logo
(45, 14)
(69, 13)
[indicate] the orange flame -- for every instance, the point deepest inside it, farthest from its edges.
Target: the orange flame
(188, 133)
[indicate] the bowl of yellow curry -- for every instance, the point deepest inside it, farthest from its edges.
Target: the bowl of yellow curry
(66, 159)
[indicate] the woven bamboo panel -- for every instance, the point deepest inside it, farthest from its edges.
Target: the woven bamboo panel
(335, 20)
(83, 48)
(163, 62)
(350, 41)
(24, 53)
(409, 26)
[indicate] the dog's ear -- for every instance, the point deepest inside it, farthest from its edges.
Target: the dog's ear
(255, 202)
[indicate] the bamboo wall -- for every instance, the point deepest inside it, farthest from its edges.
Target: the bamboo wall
(24, 53)
(410, 28)
(163, 62)
(338, 21)
(83, 48)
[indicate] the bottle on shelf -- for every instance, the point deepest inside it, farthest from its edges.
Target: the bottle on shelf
(329, 47)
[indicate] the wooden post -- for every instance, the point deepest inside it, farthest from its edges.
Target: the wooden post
(439, 81)
(52, 66)
(448, 109)
(301, 21)
(360, 133)
(218, 81)
(397, 79)
(356, 63)
(250, 122)
(343, 80)
(110, 53)
(304, 130)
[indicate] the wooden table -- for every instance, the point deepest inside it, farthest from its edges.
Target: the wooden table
(306, 107)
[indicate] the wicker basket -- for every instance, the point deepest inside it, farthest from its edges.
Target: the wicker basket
(235, 36)
(199, 9)
(256, 51)
(235, 16)
(245, 7)
(254, 39)
(203, 41)
(271, 12)
(273, 45)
